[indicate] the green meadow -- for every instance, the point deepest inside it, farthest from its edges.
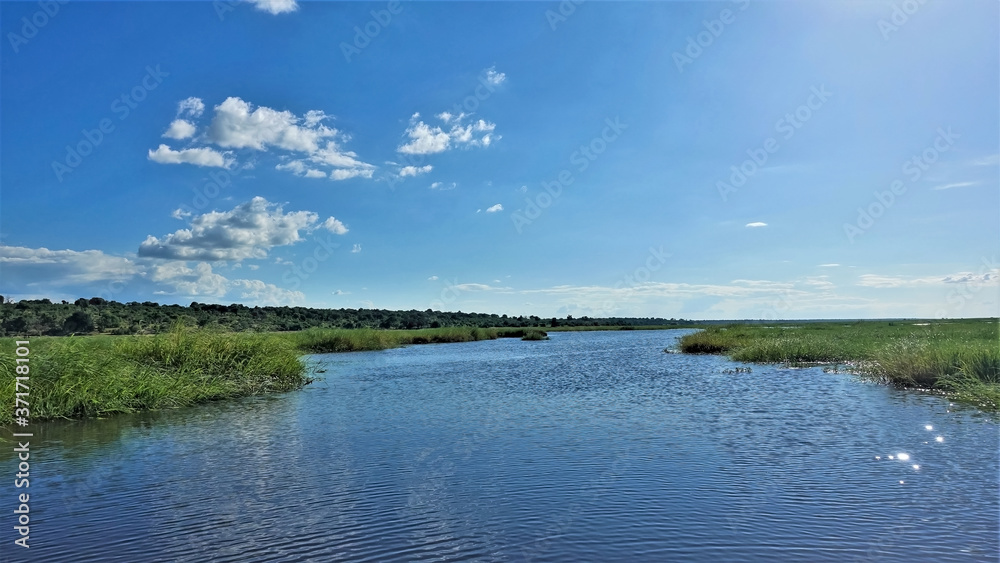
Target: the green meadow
(957, 357)
(97, 376)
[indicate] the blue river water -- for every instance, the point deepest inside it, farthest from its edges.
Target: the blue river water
(592, 446)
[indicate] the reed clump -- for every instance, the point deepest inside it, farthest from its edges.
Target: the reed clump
(960, 357)
(75, 377)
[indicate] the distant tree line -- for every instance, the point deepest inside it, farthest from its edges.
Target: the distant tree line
(96, 315)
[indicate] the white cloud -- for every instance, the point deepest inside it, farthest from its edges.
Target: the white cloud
(494, 77)
(248, 231)
(341, 174)
(990, 160)
(201, 281)
(33, 264)
(238, 125)
(443, 187)
(432, 278)
(332, 155)
(275, 6)
(180, 129)
(756, 224)
(191, 107)
(829, 265)
(427, 139)
(356, 249)
(315, 148)
(415, 170)
(334, 226)
(199, 157)
(988, 277)
(266, 293)
(954, 185)
(340, 292)
(180, 213)
(299, 168)
(494, 208)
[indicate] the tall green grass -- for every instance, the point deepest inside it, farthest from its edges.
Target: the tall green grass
(73, 377)
(959, 357)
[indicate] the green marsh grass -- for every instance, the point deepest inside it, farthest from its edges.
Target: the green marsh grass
(960, 357)
(75, 377)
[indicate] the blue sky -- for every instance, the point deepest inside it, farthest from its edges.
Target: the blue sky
(699, 160)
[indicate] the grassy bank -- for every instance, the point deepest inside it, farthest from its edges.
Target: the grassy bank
(319, 340)
(616, 327)
(77, 377)
(960, 357)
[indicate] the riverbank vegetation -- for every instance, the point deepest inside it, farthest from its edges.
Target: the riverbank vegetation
(88, 376)
(958, 357)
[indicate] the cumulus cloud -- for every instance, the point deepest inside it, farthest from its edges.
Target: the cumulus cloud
(191, 107)
(432, 139)
(248, 231)
(756, 224)
(311, 148)
(199, 157)
(299, 168)
(180, 214)
(343, 174)
(180, 129)
(334, 226)
(415, 170)
(494, 77)
(266, 293)
(356, 249)
(494, 208)
(24, 267)
(201, 281)
(275, 6)
(432, 278)
(237, 124)
(73, 266)
(443, 186)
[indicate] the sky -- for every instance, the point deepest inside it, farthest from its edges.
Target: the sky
(698, 160)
